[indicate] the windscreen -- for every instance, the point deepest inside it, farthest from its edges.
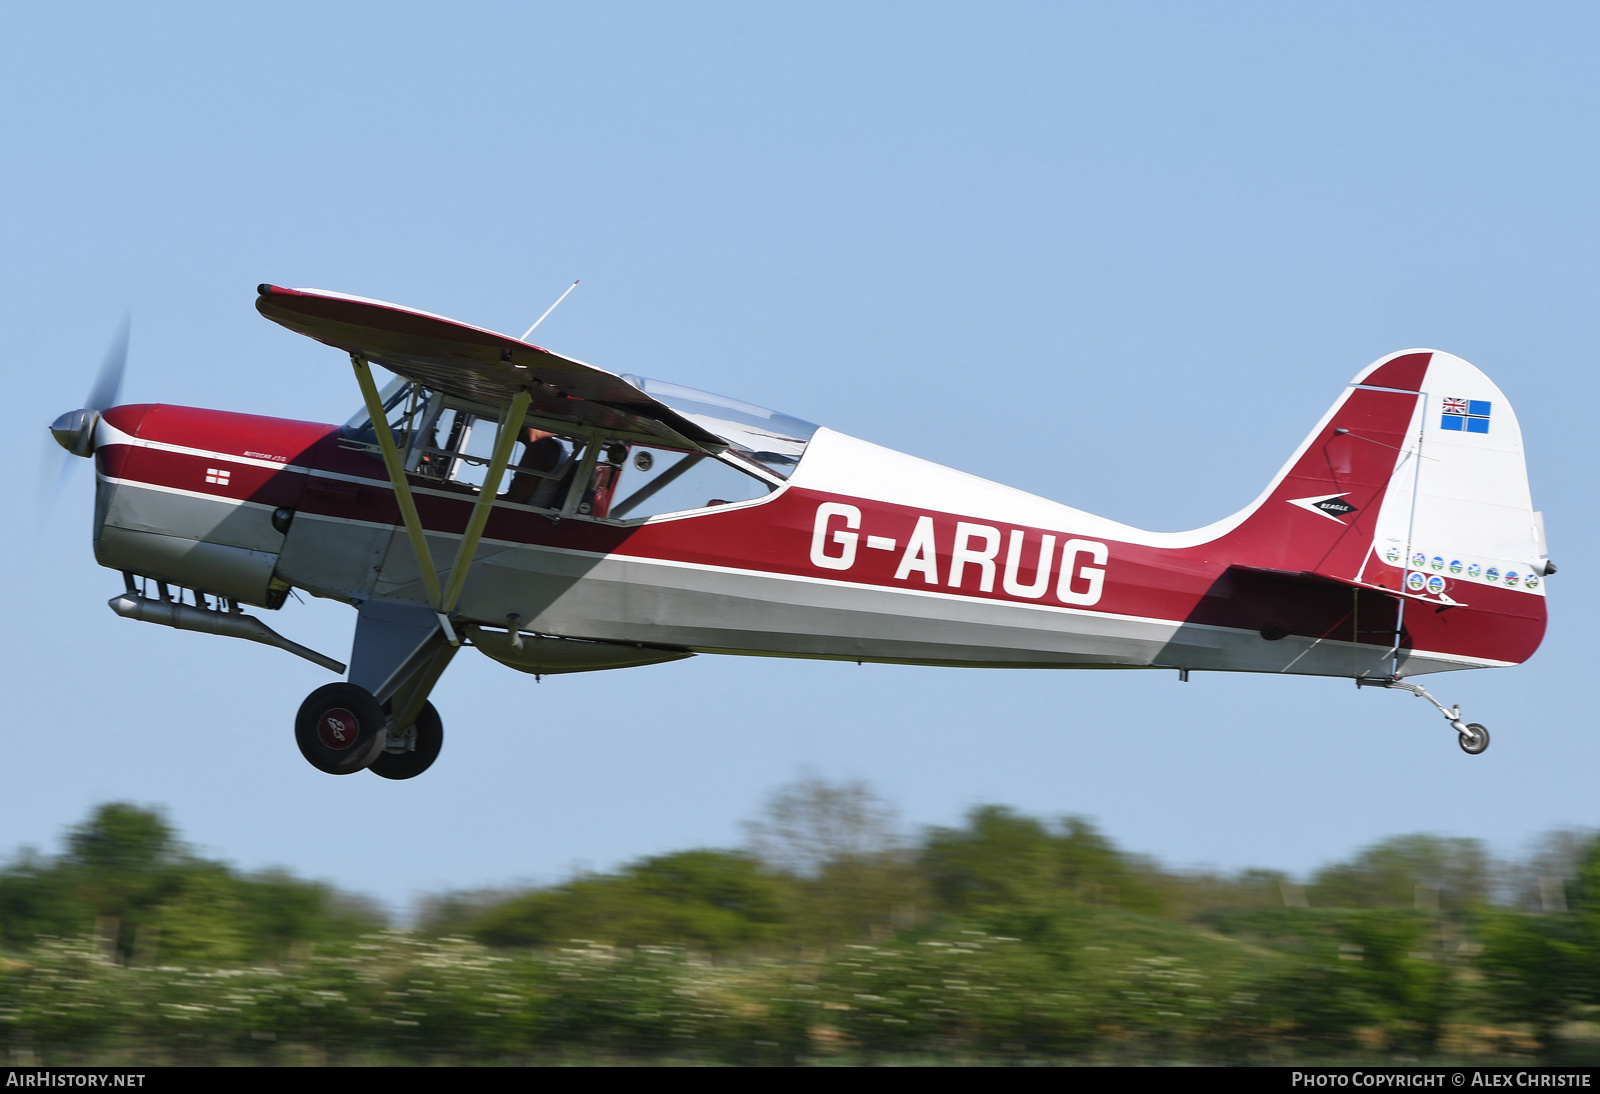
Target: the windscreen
(397, 404)
(775, 441)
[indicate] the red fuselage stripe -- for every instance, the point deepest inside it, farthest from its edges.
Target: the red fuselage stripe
(942, 552)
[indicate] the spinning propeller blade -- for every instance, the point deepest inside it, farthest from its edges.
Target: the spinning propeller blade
(74, 430)
(109, 383)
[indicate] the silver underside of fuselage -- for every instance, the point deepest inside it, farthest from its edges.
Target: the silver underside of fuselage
(216, 545)
(713, 610)
(707, 609)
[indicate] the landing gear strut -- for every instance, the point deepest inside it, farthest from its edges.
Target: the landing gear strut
(411, 751)
(1473, 737)
(380, 719)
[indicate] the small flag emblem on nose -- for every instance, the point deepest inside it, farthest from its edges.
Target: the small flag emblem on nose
(218, 475)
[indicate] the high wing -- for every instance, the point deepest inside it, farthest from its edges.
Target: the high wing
(479, 365)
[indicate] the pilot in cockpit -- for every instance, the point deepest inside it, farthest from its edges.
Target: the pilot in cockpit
(541, 470)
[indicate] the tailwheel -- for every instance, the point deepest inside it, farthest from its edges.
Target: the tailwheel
(1471, 736)
(412, 751)
(341, 728)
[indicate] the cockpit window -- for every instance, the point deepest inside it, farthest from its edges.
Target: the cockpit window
(436, 441)
(587, 474)
(775, 441)
(397, 397)
(648, 480)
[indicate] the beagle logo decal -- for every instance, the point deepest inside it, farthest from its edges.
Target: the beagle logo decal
(1333, 506)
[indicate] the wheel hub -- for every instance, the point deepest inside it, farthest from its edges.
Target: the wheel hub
(338, 728)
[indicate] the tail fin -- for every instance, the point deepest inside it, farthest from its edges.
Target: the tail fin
(1415, 482)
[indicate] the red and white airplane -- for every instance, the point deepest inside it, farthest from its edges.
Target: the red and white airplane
(560, 518)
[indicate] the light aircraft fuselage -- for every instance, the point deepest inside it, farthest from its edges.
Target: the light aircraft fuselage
(1399, 539)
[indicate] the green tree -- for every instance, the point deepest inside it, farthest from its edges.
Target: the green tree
(715, 900)
(122, 863)
(126, 876)
(1540, 968)
(851, 875)
(1373, 970)
(38, 898)
(1421, 872)
(1000, 859)
(1537, 969)
(119, 838)
(1003, 860)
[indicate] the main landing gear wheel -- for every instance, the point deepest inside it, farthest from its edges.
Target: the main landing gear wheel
(341, 728)
(412, 752)
(1477, 742)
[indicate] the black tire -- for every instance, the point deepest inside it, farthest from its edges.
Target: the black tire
(411, 763)
(1479, 742)
(341, 728)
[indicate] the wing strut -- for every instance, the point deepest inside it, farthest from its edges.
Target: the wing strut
(505, 436)
(397, 477)
(506, 432)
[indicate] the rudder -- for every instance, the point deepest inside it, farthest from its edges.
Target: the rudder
(1415, 482)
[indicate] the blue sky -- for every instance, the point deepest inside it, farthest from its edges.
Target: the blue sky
(1119, 255)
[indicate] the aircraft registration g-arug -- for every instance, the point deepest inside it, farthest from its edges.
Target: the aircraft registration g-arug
(559, 518)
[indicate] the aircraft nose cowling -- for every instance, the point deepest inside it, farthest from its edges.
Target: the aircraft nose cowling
(74, 431)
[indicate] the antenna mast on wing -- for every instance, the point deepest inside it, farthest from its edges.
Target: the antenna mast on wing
(547, 312)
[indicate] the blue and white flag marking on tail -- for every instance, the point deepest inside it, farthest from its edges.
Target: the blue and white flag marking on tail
(1465, 415)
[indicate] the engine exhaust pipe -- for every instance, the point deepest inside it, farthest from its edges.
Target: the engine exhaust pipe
(186, 618)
